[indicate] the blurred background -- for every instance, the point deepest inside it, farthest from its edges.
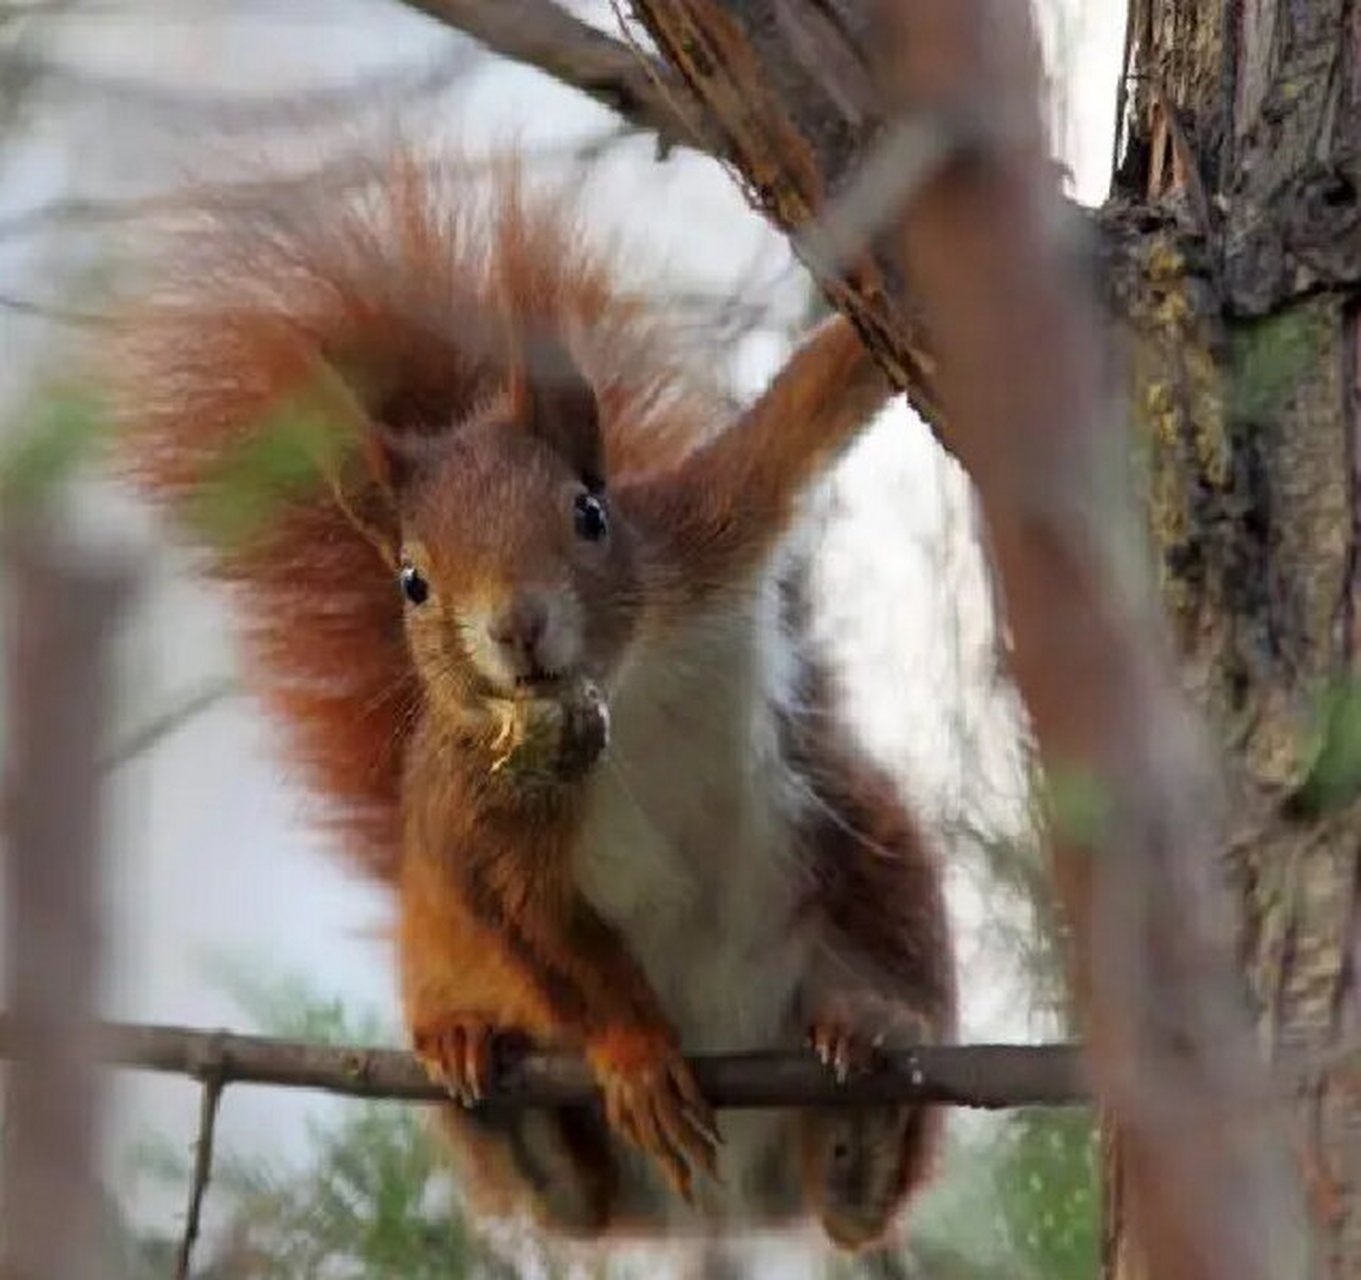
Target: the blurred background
(221, 906)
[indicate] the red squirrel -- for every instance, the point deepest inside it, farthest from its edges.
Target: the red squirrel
(538, 525)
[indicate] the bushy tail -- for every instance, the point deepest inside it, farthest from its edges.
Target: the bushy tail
(408, 285)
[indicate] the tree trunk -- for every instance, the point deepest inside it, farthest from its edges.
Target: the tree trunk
(1244, 139)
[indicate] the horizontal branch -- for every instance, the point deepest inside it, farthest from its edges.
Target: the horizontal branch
(989, 1076)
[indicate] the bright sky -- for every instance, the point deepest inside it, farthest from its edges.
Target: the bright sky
(212, 856)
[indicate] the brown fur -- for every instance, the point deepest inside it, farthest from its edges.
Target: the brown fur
(878, 896)
(408, 287)
(489, 372)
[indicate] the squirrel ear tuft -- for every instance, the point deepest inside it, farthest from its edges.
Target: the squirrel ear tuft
(551, 397)
(390, 462)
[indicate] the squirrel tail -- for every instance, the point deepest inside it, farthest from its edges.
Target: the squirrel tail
(267, 334)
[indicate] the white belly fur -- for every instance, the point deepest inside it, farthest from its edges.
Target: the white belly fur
(687, 849)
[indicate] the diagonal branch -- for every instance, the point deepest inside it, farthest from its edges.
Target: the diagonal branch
(541, 35)
(986, 1076)
(719, 107)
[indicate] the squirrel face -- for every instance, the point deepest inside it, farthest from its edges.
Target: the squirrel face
(516, 575)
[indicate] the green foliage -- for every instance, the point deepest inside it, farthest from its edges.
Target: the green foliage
(1019, 1201)
(278, 462)
(1048, 1182)
(1271, 359)
(291, 1009)
(65, 426)
(1334, 778)
(370, 1205)
(1024, 927)
(1078, 804)
(302, 443)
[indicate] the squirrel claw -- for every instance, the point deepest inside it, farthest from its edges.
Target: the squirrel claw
(656, 1105)
(458, 1053)
(851, 1036)
(842, 1050)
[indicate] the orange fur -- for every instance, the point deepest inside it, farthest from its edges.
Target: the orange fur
(481, 376)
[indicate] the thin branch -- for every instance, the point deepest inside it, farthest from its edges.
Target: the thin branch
(347, 170)
(245, 112)
(146, 736)
(31, 308)
(541, 35)
(203, 1169)
(983, 1076)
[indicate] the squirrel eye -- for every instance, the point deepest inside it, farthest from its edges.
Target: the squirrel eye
(588, 517)
(414, 586)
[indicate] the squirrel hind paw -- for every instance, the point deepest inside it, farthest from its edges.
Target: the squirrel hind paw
(862, 1165)
(570, 1181)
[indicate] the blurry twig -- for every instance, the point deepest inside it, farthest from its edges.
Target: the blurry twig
(209, 1099)
(52, 311)
(348, 170)
(248, 112)
(1132, 791)
(148, 735)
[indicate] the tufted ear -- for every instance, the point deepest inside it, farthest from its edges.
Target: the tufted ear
(552, 398)
(392, 460)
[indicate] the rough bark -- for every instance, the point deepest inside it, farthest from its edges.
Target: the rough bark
(1238, 200)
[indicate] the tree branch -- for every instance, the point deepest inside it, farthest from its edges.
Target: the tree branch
(541, 35)
(984, 1076)
(767, 155)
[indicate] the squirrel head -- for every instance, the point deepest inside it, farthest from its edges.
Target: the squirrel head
(515, 575)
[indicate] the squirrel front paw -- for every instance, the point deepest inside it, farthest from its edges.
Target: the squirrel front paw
(553, 739)
(652, 1100)
(458, 1053)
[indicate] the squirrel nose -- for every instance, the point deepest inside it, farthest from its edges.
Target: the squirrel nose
(519, 628)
